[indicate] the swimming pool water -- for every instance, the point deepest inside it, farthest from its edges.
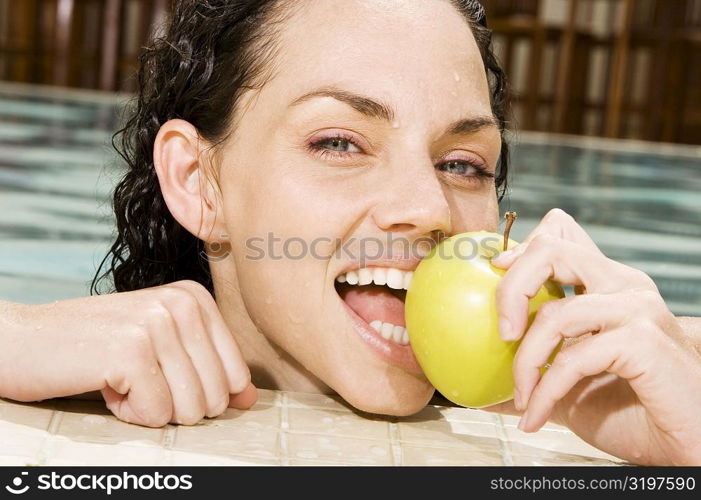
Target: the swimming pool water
(641, 203)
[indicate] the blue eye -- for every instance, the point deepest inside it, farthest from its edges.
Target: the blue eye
(465, 169)
(335, 146)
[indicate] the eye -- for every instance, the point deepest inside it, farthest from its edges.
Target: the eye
(337, 145)
(466, 168)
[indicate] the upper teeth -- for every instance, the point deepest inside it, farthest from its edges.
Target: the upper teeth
(390, 276)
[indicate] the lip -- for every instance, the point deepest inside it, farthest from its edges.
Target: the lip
(398, 355)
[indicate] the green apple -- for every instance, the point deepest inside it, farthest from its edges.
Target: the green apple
(452, 320)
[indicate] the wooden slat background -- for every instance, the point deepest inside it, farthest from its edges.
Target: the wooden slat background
(611, 68)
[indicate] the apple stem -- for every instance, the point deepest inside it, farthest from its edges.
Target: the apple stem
(510, 218)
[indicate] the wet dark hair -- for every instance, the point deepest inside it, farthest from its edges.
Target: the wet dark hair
(209, 54)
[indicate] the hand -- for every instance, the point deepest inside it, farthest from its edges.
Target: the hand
(627, 379)
(158, 355)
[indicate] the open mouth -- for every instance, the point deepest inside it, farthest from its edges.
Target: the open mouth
(377, 295)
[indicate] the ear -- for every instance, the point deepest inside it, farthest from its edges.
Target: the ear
(178, 156)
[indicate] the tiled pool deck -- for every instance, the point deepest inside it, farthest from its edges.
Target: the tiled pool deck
(283, 429)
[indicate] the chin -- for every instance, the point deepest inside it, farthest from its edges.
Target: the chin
(397, 397)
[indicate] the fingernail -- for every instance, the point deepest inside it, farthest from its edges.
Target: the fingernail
(523, 423)
(506, 330)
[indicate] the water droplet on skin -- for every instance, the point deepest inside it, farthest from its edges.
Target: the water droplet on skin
(198, 337)
(395, 124)
(456, 76)
(154, 371)
(183, 386)
(268, 300)
(38, 327)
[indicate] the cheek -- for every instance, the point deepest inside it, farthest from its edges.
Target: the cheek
(474, 211)
(294, 197)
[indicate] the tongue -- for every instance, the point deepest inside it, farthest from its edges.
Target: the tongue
(374, 302)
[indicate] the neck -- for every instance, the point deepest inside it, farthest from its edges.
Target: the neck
(271, 367)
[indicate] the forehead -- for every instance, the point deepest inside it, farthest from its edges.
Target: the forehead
(391, 49)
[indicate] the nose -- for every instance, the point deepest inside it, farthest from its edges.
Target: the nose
(414, 202)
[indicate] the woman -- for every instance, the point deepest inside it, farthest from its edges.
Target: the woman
(276, 139)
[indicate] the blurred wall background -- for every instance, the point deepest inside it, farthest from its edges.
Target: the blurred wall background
(611, 68)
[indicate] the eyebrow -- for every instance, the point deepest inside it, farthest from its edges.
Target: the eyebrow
(379, 110)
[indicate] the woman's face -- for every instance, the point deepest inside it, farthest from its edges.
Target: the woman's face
(374, 134)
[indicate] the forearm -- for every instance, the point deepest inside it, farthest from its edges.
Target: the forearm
(11, 330)
(692, 329)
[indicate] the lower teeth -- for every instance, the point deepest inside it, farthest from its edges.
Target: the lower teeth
(388, 331)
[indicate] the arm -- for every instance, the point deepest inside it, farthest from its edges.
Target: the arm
(158, 355)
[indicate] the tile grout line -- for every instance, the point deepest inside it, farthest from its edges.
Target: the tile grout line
(503, 441)
(397, 458)
(47, 448)
(169, 435)
(284, 427)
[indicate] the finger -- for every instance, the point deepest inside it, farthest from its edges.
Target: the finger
(195, 337)
(235, 367)
(505, 408)
(245, 399)
(660, 371)
(568, 368)
(560, 224)
(556, 223)
(142, 397)
(568, 318)
(547, 258)
(189, 401)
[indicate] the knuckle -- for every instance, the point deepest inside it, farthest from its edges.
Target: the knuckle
(649, 300)
(190, 414)
(158, 314)
(219, 406)
(548, 311)
(557, 214)
(137, 345)
(190, 419)
(173, 296)
(159, 417)
(240, 382)
(196, 290)
(647, 282)
(649, 308)
(545, 242)
(564, 360)
(193, 285)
